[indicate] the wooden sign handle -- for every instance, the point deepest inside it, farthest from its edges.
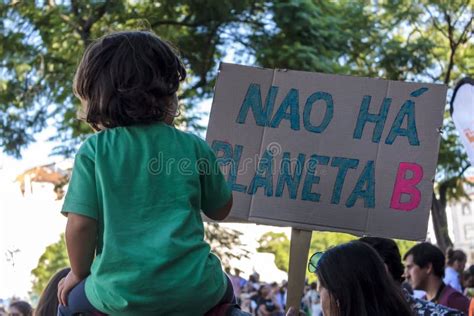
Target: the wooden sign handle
(299, 248)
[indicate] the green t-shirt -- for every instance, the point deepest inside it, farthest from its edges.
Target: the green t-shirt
(145, 185)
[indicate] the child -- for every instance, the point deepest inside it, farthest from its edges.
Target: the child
(134, 232)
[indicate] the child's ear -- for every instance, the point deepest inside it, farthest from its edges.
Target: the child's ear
(174, 104)
(173, 109)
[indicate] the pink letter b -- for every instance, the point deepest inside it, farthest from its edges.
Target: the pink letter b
(407, 186)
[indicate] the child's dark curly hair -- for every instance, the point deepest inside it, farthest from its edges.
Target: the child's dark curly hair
(128, 78)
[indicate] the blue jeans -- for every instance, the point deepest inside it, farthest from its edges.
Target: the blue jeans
(79, 305)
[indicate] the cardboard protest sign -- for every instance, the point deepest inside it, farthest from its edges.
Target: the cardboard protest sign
(325, 152)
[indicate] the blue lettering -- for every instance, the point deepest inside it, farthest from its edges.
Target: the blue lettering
(311, 178)
(264, 175)
(292, 182)
(290, 101)
(343, 164)
(378, 119)
(231, 157)
(327, 116)
(408, 110)
(367, 180)
(253, 99)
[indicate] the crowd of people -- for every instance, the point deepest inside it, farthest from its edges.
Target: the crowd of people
(17, 308)
(369, 277)
(364, 277)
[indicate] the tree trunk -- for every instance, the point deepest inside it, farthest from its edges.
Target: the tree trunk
(440, 220)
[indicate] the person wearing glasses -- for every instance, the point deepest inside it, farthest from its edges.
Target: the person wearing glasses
(353, 281)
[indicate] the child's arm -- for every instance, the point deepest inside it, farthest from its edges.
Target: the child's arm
(221, 213)
(81, 206)
(216, 196)
(81, 238)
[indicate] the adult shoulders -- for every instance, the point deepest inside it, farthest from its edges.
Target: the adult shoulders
(426, 308)
(451, 277)
(457, 300)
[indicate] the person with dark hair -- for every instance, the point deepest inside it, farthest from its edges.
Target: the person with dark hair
(20, 308)
(353, 281)
(134, 229)
(468, 284)
(455, 264)
(313, 300)
(238, 283)
(267, 304)
(390, 254)
(280, 295)
(388, 251)
(424, 269)
(48, 302)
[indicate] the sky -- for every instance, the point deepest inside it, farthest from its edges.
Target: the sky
(27, 223)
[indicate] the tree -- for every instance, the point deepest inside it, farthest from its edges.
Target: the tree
(51, 261)
(225, 243)
(425, 40)
(41, 45)
(279, 245)
(448, 26)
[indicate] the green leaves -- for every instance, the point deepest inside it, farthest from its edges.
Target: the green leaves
(225, 243)
(279, 245)
(41, 46)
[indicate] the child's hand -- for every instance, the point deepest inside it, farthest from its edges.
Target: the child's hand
(65, 286)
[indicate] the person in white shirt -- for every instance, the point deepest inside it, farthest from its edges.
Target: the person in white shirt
(455, 263)
(314, 300)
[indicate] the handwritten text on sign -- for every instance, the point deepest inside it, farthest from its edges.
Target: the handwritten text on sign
(303, 112)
